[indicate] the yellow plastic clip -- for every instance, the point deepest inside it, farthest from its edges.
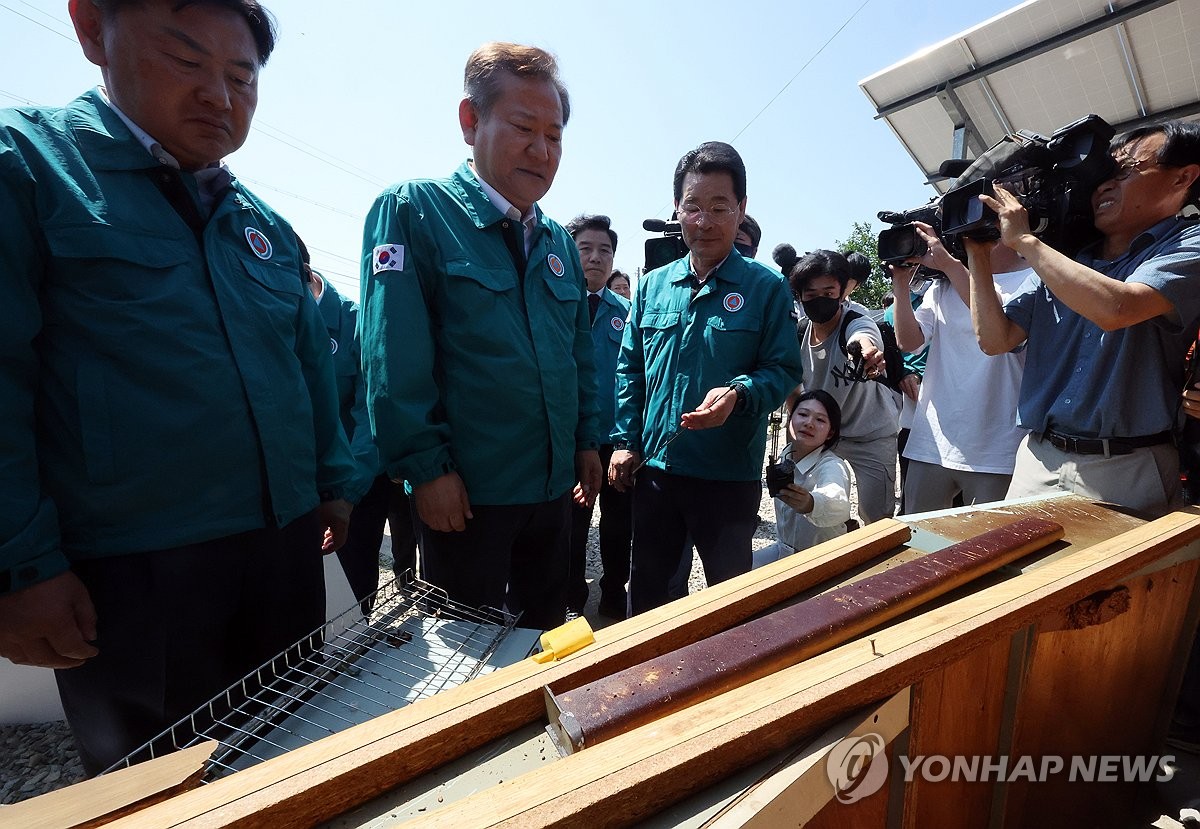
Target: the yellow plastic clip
(564, 640)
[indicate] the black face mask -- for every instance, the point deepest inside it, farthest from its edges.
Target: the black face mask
(744, 250)
(821, 309)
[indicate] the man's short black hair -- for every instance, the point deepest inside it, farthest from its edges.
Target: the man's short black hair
(799, 269)
(585, 221)
(615, 275)
(751, 229)
(1181, 146)
(712, 157)
(261, 22)
(860, 266)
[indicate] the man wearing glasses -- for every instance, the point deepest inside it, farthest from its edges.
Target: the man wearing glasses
(1108, 331)
(710, 350)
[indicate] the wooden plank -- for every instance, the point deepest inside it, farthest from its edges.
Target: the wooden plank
(322, 780)
(591, 713)
(1098, 690)
(1085, 522)
(102, 799)
(800, 790)
(640, 772)
(957, 710)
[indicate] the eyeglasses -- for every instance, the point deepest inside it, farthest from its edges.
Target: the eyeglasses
(1126, 167)
(717, 214)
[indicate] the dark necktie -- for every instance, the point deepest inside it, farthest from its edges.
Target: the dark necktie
(593, 304)
(514, 239)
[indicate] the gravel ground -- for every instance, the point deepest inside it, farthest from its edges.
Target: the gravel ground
(38, 758)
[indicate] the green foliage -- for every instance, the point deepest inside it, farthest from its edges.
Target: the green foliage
(863, 239)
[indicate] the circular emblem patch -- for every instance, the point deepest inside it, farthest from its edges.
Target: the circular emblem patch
(734, 302)
(556, 265)
(384, 256)
(258, 243)
(617, 323)
(332, 346)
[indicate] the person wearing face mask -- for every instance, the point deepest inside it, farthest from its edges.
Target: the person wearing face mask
(748, 236)
(870, 410)
(815, 506)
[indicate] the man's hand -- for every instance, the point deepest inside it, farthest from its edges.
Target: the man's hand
(714, 410)
(874, 363)
(936, 256)
(796, 497)
(1191, 401)
(49, 624)
(590, 474)
(910, 385)
(620, 469)
(1012, 215)
(443, 504)
(335, 518)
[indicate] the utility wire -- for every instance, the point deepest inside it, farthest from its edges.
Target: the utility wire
(37, 22)
(815, 55)
(259, 183)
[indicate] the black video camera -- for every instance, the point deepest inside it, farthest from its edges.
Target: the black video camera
(1053, 177)
(664, 249)
(901, 242)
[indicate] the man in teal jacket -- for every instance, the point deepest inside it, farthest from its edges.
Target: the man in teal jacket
(477, 349)
(709, 352)
(167, 393)
(596, 242)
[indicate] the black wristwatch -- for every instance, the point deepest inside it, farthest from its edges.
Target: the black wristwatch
(743, 395)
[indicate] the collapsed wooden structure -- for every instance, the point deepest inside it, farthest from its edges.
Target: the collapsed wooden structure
(1077, 651)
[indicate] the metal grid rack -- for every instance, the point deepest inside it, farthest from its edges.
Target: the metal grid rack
(413, 643)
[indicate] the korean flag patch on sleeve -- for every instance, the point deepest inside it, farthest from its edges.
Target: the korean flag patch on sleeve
(387, 258)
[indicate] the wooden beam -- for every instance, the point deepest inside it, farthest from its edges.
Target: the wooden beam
(797, 792)
(641, 772)
(103, 799)
(321, 781)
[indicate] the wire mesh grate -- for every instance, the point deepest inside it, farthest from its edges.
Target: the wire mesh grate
(406, 642)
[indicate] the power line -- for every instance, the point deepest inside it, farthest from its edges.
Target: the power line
(258, 183)
(37, 22)
(335, 255)
(802, 68)
(258, 122)
(23, 100)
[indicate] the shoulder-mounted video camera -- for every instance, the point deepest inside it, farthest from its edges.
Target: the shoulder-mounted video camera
(664, 249)
(1052, 177)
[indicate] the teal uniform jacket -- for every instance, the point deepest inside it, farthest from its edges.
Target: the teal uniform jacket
(471, 366)
(341, 322)
(608, 329)
(739, 329)
(155, 391)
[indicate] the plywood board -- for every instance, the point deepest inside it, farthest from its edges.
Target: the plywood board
(90, 802)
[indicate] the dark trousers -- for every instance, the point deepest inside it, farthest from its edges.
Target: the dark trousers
(616, 532)
(512, 556)
(720, 516)
(175, 627)
(384, 501)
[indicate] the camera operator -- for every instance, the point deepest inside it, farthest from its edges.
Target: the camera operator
(964, 434)
(1108, 331)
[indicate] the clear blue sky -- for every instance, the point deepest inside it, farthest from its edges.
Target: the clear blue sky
(363, 93)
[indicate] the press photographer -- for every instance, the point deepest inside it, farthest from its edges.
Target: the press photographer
(1108, 330)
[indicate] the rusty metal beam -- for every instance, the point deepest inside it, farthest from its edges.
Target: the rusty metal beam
(657, 687)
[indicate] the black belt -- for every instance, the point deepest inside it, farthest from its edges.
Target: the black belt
(1102, 446)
